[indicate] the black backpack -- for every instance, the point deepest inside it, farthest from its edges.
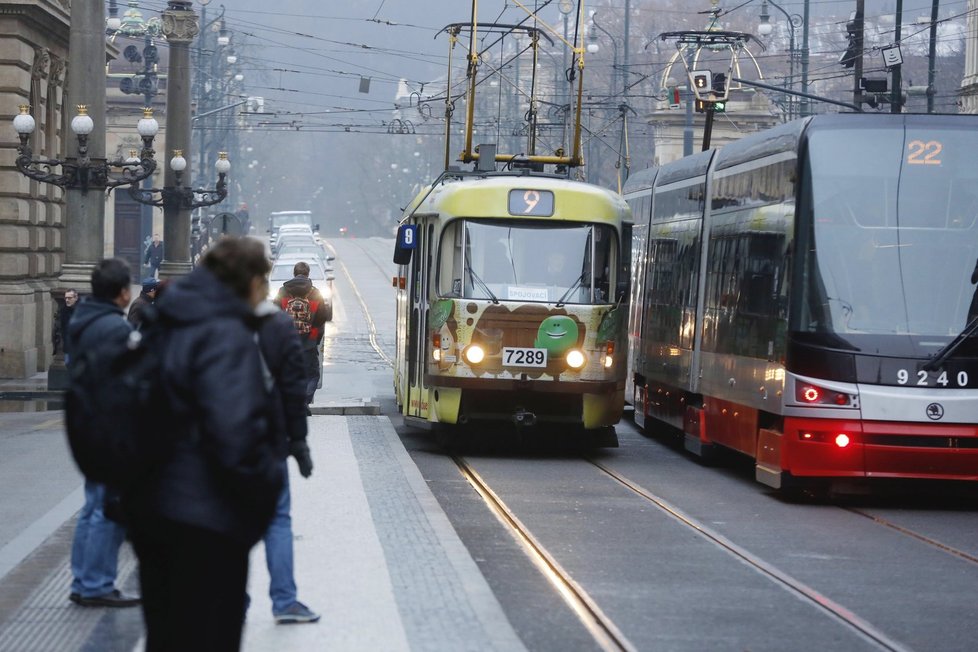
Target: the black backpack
(116, 411)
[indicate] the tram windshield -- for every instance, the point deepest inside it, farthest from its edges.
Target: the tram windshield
(892, 234)
(545, 262)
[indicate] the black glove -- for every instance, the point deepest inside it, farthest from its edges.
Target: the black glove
(299, 449)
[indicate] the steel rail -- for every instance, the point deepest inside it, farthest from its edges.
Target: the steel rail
(799, 588)
(604, 631)
(371, 326)
(951, 550)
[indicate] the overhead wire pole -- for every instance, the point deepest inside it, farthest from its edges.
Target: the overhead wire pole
(896, 97)
(932, 57)
(857, 95)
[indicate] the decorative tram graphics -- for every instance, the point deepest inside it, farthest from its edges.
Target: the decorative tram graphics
(512, 302)
(799, 296)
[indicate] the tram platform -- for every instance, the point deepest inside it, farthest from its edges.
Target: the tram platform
(374, 552)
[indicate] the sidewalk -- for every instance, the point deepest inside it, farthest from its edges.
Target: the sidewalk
(374, 553)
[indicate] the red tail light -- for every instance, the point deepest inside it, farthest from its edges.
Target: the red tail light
(815, 395)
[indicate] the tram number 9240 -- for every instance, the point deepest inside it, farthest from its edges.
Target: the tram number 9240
(923, 379)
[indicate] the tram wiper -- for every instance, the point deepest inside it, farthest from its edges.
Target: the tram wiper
(475, 277)
(941, 356)
(576, 284)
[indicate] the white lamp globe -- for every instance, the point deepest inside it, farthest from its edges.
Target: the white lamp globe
(232, 59)
(24, 122)
(593, 48)
(239, 77)
(82, 124)
(113, 23)
(765, 28)
(222, 165)
(178, 163)
(147, 126)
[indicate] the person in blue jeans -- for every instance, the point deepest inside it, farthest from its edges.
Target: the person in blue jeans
(282, 353)
(99, 321)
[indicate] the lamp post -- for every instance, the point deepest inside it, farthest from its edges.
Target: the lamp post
(144, 82)
(178, 197)
(765, 28)
(593, 47)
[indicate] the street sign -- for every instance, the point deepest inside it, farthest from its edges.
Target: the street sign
(892, 56)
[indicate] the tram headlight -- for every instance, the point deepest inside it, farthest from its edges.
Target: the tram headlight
(609, 361)
(575, 359)
(475, 354)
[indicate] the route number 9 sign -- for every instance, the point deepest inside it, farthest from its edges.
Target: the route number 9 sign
(536, 203)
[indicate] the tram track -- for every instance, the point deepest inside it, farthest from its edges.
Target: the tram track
(602, 629)
(923, 538)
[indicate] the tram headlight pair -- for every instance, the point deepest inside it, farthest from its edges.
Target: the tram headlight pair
(474, 354)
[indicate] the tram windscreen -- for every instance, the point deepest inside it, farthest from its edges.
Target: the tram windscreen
(892, 233)
(545, 262)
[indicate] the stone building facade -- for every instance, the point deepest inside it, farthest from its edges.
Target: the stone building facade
(33, 52)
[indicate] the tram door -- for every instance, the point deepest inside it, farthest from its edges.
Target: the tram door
(419, 282)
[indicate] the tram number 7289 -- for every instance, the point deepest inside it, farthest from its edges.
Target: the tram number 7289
(923, 379)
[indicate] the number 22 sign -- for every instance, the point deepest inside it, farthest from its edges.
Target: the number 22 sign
(526, 201)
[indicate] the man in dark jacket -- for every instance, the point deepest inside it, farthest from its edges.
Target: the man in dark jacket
(282, 352)
(146, 298)
(99, 322)
(153, 257)
(195, 519)
(305, 304)
(65, 314)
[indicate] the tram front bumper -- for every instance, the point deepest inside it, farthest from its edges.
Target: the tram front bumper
(590, 404)
(879, 449)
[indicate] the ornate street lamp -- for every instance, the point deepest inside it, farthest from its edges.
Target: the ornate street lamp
(83, 172)
(179, 197)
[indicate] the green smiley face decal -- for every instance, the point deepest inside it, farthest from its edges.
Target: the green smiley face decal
(557, 335)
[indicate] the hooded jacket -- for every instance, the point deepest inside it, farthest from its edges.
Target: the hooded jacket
(301, 286)
(225, 472)
(96, 322)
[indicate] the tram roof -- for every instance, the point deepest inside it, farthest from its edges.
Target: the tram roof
(488, 197)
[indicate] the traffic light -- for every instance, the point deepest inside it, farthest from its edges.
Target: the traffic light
(702, 106)
(854, 32)
(720, 83)
(702, 81)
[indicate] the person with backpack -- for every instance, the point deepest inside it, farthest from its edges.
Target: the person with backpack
(98, 323)
(282, 352)
(305, 304)
(196, 515)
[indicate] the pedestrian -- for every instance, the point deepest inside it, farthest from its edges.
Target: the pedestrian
(282, 352)
(146, 298)
(304, 303)
(99, 322)
(194, 521)
(71, 298)
(153, 257)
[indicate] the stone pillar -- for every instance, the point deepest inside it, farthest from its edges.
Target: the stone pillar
(85, 211)
(179, 27)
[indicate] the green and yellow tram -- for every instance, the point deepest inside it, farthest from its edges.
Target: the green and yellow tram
(512, 294)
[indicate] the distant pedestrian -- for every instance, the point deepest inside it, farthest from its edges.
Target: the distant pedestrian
(71, 298)
(305, 304)
(146, 298)
(195, 520)
(282, 352)
(99, 322)
(153, 257)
